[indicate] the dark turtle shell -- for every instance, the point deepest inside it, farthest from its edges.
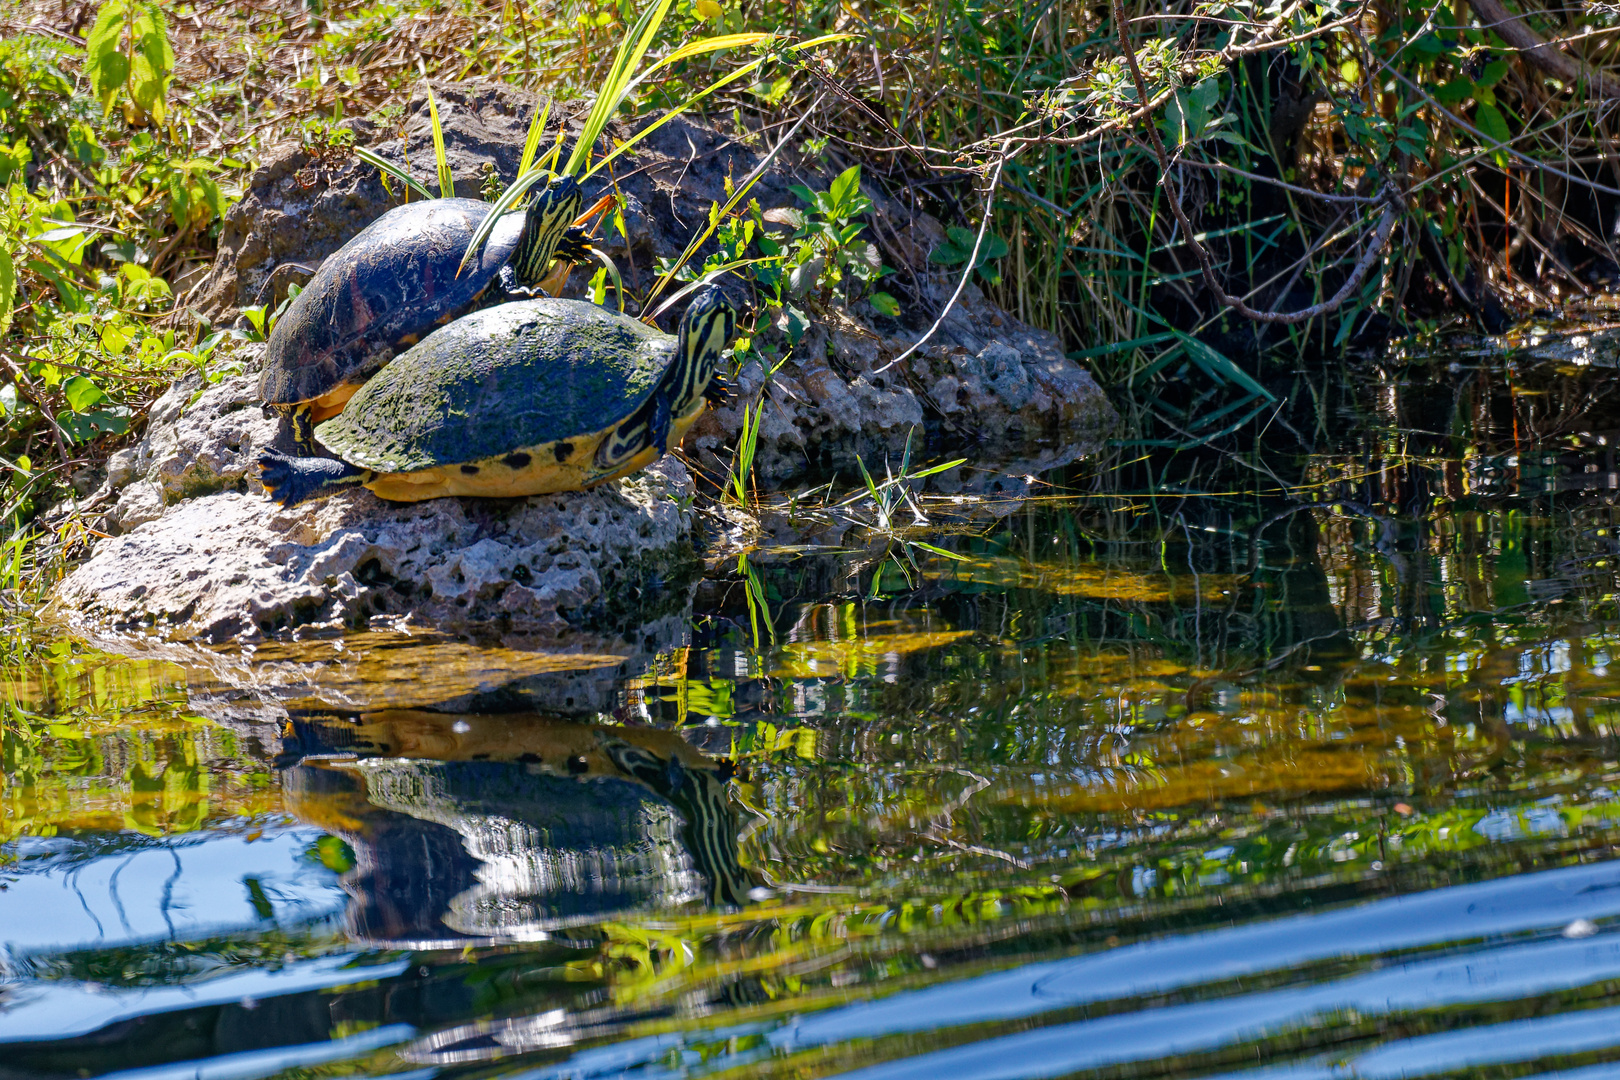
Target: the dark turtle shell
(516, 375)
(380, 293)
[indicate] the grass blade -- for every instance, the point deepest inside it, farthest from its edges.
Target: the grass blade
(871, 489)
(932, 469)
(617, 85)
(1219, 367)
(699, 48)
(508, 200)
(390, 169)
(938, 551)
(447, 183)
(531, 145)
(746, 69)
(742, 466)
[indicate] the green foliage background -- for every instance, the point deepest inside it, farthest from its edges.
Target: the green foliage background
(126, 135)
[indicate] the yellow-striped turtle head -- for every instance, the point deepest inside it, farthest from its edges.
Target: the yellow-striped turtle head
(551, 211)
(706, 330)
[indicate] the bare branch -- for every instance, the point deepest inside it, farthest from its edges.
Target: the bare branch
(1514, 30)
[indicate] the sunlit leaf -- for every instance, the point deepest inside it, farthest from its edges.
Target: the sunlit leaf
(82, 394)
(8, 292)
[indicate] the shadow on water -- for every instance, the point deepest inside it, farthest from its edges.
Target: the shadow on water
(1316, 777)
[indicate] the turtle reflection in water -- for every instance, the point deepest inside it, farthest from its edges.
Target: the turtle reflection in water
(502, 827)
(526, 398)
(400, 277)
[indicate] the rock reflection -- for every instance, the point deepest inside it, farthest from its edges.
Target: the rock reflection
(475, 828)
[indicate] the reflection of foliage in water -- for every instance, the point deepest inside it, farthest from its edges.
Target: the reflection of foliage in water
(1037, 715)
(96, 742)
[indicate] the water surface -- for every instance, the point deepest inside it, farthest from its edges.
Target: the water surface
(1201, 784)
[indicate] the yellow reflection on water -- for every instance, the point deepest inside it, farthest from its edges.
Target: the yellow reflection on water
(1089, 580)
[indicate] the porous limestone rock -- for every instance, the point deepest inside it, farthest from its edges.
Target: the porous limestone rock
(234, 565)
(985, 386)
(201, 438)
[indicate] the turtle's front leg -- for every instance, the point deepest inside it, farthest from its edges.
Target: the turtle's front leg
(659, 430)
(507, 288)
(290, 481)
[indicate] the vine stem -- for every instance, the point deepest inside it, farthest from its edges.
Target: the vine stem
(973, 258)
(1390, 196)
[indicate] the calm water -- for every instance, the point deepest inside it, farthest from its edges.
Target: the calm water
(1109, 790)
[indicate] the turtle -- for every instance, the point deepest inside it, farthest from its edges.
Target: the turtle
(660, 761)
(523, 398)
(394, 282)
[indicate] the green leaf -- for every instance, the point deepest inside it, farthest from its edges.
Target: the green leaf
(793, 323)
(179, 198)
(844, 189)
(211, 196)
(884, 304)
(82, 427)
(938, 550)
(1188, 113)
(1455, 92)
(333, 853)
(867, 261)
(154, 61)
(82, 394)
(255, 318)
(1494, 72)
(1431, 45)
(14, 159)
(952, 251)
(1491, 122)
(8, 290)
(958, 247)
(104, 62)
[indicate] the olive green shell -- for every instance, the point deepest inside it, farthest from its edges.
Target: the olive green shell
(507, 377)
(380, 293)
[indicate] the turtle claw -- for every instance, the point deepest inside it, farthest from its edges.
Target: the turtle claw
(278, 474)
(717, 393)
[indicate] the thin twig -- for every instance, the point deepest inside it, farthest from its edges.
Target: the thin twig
(972, 263)
(1295, 188)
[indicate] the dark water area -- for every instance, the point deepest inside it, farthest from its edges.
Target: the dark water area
(1188, 780)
